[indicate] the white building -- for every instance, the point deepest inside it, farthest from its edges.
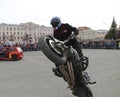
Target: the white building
(86, 33)
(30, 32)
(24, 32)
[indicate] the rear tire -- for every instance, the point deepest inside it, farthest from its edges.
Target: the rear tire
(84, 91)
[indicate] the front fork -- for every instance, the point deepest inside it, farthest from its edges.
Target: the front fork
(68, 72)
(70, 75)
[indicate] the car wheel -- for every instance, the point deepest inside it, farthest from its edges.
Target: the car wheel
(14, 57)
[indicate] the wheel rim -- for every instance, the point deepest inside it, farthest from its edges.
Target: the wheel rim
(51, 44)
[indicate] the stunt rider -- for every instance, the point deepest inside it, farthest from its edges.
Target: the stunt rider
(61, 32)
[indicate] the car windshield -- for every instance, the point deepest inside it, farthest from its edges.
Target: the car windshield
(9, 49)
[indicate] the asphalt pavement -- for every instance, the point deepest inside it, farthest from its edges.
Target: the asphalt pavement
(33, 77)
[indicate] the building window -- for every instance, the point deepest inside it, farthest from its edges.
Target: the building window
(10, 29)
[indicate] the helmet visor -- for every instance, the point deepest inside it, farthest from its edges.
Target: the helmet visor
(54, 24)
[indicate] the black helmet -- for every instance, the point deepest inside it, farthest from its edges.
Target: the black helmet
(55, 21)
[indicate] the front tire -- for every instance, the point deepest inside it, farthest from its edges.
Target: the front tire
(47, 45)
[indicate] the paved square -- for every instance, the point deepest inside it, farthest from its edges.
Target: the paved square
(32, 76)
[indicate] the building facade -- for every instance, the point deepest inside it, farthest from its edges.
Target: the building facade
(86, 33)
(23, 33)
(30, 33)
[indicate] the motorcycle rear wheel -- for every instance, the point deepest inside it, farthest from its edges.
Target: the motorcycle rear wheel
(47, 45)
(84, 91)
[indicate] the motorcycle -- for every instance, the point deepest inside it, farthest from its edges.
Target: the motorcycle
(70, 63)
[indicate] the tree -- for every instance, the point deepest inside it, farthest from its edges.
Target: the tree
(112, 33)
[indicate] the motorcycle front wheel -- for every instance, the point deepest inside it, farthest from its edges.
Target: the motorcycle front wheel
(47, 45)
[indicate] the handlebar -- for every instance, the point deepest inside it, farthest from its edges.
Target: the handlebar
(72, 36)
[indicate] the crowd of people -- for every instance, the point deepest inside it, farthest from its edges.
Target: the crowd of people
(103, 44)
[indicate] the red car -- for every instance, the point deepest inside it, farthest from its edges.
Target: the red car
(11, 53)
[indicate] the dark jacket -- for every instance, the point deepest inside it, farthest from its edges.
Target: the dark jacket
(64, 31)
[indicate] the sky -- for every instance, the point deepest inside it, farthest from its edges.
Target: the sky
(96, 14)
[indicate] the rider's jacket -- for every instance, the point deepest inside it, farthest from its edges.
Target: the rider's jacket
(64, 31)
